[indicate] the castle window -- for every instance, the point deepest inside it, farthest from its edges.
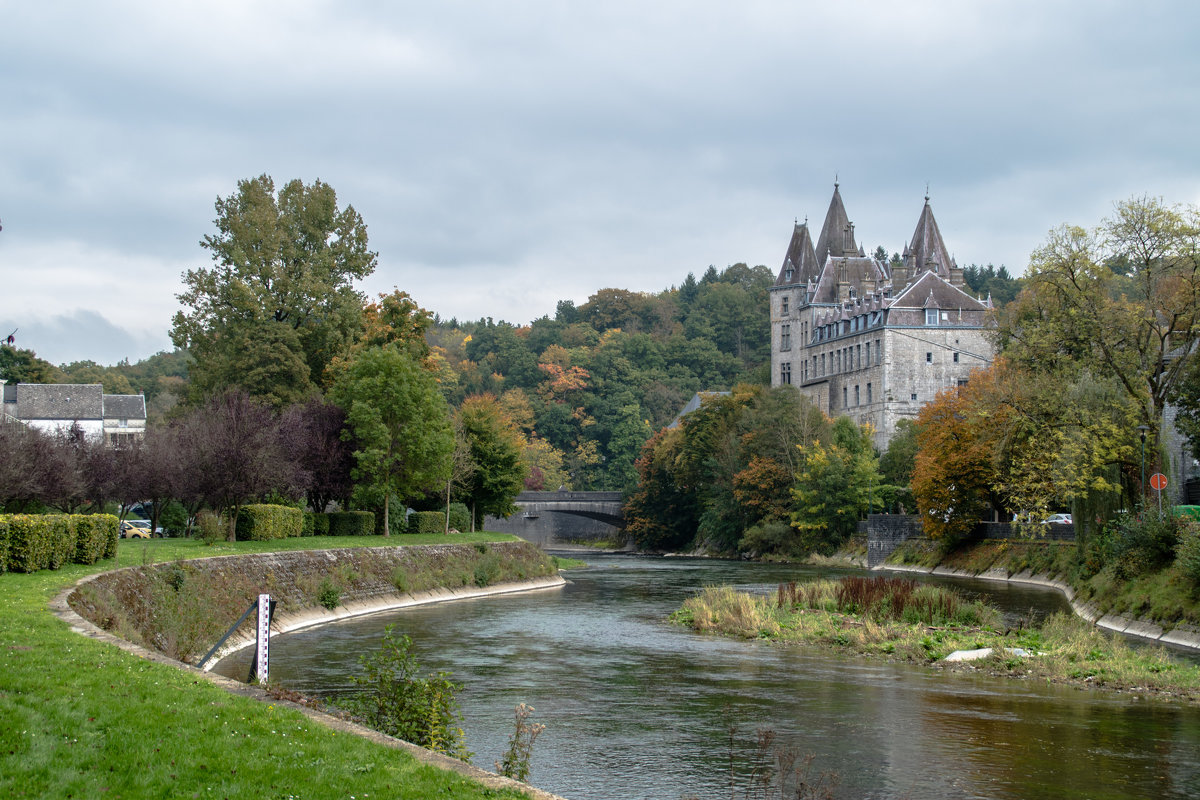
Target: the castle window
(931, 316)
(856, 401)
(956, 358)
(868, 393)
(878, 353)
(929, 358)
(788, 278)
(785, 298)
(858, 355)
(914, 397)
(844, 397)
(868, 354)
(785, 338)
(785, 373)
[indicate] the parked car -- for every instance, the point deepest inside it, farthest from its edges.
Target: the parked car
(139, 529)
(129, 530)
(1059, 519)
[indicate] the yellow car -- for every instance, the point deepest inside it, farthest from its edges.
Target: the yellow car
(130, 529)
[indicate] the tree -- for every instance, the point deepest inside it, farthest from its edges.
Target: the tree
(400, 425)
(833, 485)
(1121, 301)
(494, 446)
(235, 454)
(953, 473)
(289, 259)
(312, 433)
(23, 366)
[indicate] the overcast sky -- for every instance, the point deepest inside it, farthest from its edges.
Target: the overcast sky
(509, 155)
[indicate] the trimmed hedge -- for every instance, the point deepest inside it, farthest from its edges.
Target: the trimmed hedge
(93, 535)
(427, 522)
(33, 542)
(4, 526)
(259, 522)
(351, 523)
(320, 525)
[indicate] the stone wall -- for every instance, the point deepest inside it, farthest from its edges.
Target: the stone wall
(885, 532)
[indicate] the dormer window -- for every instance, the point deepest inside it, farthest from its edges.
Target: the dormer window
(787, 276)
(931, 316)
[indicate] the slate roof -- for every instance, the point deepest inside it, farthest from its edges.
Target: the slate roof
(800, 258)
(931, 290)
(927, 250)
(124, 406)
(855, 270)
(836, 231)
(65, 401)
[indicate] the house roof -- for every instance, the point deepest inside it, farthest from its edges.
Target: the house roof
(124, 406)
(800, 258)
(60, 401)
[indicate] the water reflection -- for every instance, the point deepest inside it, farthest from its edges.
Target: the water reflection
(637, 708)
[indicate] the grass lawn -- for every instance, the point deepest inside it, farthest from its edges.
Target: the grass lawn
(82, 719)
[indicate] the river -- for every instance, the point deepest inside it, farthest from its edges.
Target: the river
(635, 707)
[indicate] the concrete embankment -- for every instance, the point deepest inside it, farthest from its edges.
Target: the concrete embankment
(1180, 636)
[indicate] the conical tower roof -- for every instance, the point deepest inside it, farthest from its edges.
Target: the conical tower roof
(927, 250)
(800, 264)
(837, 236)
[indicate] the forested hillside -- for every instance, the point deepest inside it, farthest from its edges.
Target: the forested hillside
(590, 385)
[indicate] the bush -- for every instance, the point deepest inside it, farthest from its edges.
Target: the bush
(397, 518)
(306, 524)
(351, 523)
(36, 542)
(427, 522)
(460, 516)
(212, 527)
(393, 698)
(320, 523)
(329, 595)
(1187, 554)
(771, 537)
(95, 535)
(260, 522)
(173, 519)
(1136, 544)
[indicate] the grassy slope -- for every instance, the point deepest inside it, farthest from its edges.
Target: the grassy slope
(83, 719)
(1166, 598)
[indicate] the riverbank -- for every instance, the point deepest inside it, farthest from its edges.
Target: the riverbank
(1065, 649)
(1100, 600)
(86, 719)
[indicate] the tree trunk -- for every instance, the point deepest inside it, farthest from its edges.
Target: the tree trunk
(387, 501)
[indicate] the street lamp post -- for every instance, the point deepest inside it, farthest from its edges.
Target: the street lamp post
(1142, 430)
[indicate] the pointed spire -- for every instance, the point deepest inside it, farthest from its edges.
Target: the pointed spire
(799, 263)
(837, 235)
(927, 250)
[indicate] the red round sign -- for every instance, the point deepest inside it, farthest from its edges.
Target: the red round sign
(1158, 481)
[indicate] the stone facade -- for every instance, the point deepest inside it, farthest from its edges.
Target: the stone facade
(869, 339)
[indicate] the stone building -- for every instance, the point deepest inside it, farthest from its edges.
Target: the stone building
(869, 339)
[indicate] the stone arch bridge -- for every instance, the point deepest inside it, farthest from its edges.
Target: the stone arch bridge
(560, 518)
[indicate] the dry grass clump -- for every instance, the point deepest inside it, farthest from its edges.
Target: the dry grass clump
(720, 609)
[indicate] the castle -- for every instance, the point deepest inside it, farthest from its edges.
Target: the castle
(869, 339)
